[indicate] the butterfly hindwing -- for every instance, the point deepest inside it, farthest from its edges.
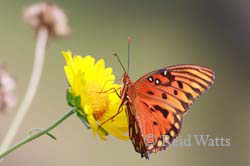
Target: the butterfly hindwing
(135, 133)
(151, 120)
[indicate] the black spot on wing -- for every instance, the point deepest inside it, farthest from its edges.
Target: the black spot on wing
(180, 84)
(157, 107)
(196, 90)
(164, 113)
(164, 96)
(155, 123)
(189, 96)
(150, 92)
(170, 77)
(162, 110)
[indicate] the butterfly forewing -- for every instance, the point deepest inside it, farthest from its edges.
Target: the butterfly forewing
(162, 97)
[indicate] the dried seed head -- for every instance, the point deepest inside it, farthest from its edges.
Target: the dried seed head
(7, 86)
(48, 15)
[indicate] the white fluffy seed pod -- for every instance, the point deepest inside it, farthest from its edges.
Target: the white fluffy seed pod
(48, 15)
(7, 86)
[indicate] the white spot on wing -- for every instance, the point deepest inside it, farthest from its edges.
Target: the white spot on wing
(150, 79)
(165, 72)
(157, 81)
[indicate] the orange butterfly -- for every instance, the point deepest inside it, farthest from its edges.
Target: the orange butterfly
(157, 101)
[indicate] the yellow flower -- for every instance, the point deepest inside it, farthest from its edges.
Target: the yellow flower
(93, 83)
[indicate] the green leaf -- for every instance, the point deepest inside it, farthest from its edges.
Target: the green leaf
(40, 130)
(73, 101)
(52, 136)
(69, 98)
(83, 119)
(77, 102)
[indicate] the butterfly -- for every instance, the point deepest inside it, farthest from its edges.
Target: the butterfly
(156, 103)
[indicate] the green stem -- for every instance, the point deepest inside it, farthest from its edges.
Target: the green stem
(32, 137)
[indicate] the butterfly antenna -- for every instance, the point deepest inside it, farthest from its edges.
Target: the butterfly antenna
(129, 41)
(116, 55)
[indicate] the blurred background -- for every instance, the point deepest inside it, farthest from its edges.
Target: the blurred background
(207, 32)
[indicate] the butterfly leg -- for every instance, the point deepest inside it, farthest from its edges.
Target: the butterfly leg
(111, 91)
(112, 117)
(116, 91)
(106, 83)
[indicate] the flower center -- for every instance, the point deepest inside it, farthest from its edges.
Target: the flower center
(99, 102)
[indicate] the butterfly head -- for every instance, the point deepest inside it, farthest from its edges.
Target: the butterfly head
(125, 89)
(126, 80)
